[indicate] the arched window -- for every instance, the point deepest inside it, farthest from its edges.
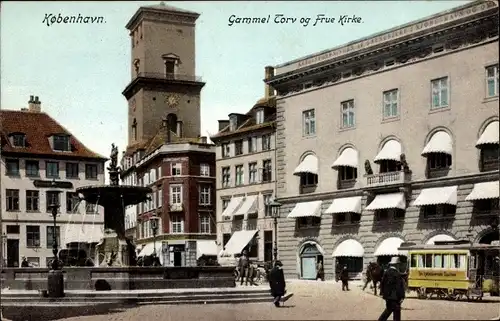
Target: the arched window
(488, 146)
(347, 167)
(134, 129)
(438, 152)
(389, 156)
(308, 173)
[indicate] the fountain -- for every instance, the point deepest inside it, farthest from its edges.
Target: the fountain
(114, 249)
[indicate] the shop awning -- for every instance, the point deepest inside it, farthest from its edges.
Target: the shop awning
(389, 247)
(482, 191)
(437, 195)
(386, 201)
(308, 165)
(149, 249)
(345, 205)
(249, 205)
(348, 157)
(489, 135)
(83, 233)
(233, 205)
(206, 248)
(439, 238)
(349, 248)
(237, 242)
(440, 142)
(390, 151)
(306, 209)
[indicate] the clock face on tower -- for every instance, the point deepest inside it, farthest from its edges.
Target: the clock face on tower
(172, 100)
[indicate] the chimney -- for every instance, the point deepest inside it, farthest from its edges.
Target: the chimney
(223, 124)
(34, 105)
(269, 91)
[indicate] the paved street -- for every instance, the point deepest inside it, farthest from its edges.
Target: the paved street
(312, 301)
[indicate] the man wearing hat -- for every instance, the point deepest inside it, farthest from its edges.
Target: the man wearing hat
(243, 265)
(344, 277)
(392, 288)
(277, 282)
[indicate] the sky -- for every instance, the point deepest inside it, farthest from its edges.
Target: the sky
(80, 70)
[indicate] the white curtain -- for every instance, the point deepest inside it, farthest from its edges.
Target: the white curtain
(453, 261)
(438, 262)
(421, 260)
(463, 261)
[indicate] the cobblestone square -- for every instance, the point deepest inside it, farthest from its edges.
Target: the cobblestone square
(311, 301)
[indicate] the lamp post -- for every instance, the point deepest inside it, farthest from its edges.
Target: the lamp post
(55, 280)
(154, 227)
(4, 252)
(275, 206)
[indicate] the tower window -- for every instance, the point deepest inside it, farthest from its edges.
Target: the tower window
(169, 67)
(134, 129)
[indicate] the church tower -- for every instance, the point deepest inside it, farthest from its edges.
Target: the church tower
(163, 84)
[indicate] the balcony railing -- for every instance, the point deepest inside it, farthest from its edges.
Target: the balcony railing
(176, 207)
(384, 179)
(169, 76)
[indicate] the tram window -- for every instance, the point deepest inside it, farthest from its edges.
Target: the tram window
(420, 260)
(438, 261)
(463, 261)
(428, 260)
(458, 261)
(446, 261)
(413, 262)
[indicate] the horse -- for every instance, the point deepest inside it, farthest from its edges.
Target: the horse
(374, 273)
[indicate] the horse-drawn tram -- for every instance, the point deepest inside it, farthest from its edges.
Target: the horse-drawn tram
(453, 270)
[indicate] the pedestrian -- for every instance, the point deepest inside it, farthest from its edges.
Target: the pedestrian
(243, 265)
(393, 291)
(24, 262)
(320, 272)
(277, 283)
(337, 271)
(344, 277)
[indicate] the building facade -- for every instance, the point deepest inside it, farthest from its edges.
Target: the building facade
(43, 164)
(246, 183)
(389, 139)
(165, 150)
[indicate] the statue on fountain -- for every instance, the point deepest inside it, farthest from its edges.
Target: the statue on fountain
(114, 169)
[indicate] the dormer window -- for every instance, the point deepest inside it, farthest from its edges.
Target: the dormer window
(259, 116)
(61, 143)
(18, 140)
(233, 122)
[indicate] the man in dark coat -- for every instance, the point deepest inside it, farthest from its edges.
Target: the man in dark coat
(344, 277)
(338, 269)
(277, 283)
(24, 262)
(392, 288)
(243, 265)
(320, 271)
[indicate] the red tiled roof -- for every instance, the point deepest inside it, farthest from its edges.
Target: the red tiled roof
(38, 127)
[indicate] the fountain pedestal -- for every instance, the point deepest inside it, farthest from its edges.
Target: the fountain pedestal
(115, 251)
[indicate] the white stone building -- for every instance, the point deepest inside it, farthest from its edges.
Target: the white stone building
(388, 139)
(43, 163)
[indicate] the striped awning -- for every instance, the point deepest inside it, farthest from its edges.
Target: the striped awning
(306, 209)
(439, 238)
(249, 206)
(233, 205)
(345, 205)
(348, 158)
(390, 247)
(386, 201)
(308, 165)
(440, 142)
(390, 151)
(489, 135)
(482, 191)
(436, 196)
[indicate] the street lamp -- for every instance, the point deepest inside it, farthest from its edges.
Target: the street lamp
(275, 206)
(154, 227)
(55, 280)
(4, 251)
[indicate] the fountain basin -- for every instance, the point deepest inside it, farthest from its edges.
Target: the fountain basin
(121, 278)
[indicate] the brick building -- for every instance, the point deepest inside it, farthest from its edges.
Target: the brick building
(390, 138)
(165, 149)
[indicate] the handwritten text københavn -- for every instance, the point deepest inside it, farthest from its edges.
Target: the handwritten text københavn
(280, 18)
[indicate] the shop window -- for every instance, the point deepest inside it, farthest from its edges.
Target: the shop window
(438, 164)
(438, 211)
(308, 222)
(489, 157)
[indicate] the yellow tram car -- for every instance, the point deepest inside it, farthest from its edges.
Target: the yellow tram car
(453, 270)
